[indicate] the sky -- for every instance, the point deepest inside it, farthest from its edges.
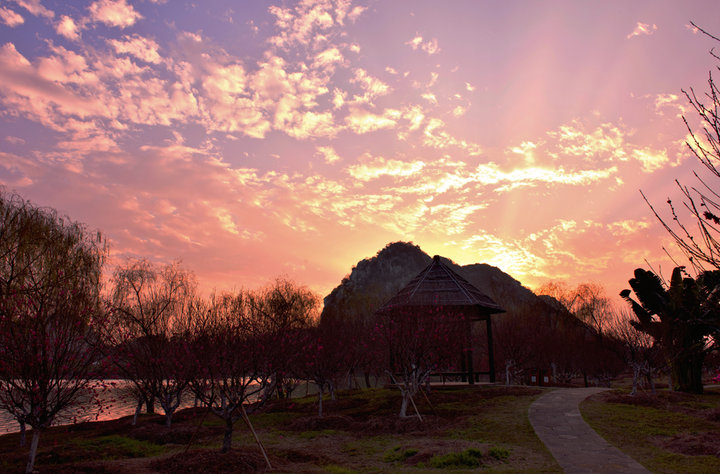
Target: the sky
(264, 139)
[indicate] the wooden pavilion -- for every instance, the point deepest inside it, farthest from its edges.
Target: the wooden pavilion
(439, 286)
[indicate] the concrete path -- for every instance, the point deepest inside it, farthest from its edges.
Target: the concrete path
(576, 447)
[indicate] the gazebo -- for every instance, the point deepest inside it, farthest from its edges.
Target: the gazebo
(439, 286)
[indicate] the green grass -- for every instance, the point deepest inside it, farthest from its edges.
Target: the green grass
(117, 447)
(651, 430)
(469, 459)
(501, 454)
(398, 454)
(360, 432)
(312, 434)
(365, 446)
(338, 469)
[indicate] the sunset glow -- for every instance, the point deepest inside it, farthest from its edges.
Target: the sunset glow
(259, 139)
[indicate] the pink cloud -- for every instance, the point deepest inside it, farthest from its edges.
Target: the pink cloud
(68, 28)
(35, 8)
(11, 18)
(114, 13)
(137, 46)
(642, 29)
(430, 46)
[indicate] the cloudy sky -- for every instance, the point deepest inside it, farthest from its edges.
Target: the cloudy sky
(254, 139)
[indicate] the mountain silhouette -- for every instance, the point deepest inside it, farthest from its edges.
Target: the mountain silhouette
(373, 281)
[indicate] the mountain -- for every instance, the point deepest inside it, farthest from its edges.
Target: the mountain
(375, 280)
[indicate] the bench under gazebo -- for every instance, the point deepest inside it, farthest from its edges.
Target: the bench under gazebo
(439, 287)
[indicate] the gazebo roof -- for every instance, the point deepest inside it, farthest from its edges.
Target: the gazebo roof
(439, 285)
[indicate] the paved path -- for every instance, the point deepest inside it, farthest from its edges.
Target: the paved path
(576, 447)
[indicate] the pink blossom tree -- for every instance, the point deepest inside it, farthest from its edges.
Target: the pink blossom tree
(413, 343)
(324, 356)
(147, 330)
(230, 357)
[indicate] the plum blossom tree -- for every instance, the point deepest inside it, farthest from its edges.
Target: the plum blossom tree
(50, 305)
(411, 344)
(230, 357)
(324, 356)
(147, 331)
(283, 309)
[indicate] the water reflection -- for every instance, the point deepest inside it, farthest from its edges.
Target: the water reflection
(102, 401)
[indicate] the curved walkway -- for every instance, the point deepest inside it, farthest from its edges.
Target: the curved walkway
(576, 447)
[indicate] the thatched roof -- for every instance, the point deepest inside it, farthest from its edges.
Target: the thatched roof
(439, 285)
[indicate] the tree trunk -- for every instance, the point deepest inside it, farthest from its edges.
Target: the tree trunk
(687, 373)
(138, 409)
(636, 378)
(367, 379)
(227, 437)
(150, 404)
(33, 450)
(404, 405)
(320, 400)
(651, 382)
(23, 429)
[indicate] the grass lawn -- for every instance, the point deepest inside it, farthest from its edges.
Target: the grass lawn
(669, 432)
(464, 429)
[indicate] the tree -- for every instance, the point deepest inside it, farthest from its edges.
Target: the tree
(282, 308)
(700, 203)
(681, 319)
(50, 305)
(413, 343)
(323, 356)
(639, 351)
(587, 302)
(581, 345)
(147, 330)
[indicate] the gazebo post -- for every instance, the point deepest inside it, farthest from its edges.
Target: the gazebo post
(469, 355)
(491, 355)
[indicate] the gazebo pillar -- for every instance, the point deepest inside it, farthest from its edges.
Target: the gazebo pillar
(491, 353)
(468, 354)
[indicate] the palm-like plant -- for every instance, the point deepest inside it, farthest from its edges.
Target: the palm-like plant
(682, 318)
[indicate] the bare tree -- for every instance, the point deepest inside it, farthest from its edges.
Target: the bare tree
(638, 350)
(700, 204)
(49, 308)
(587, 302)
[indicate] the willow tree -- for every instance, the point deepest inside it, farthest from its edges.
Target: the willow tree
(49, 306)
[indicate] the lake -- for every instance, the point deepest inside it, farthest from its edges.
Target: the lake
(113, 400)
